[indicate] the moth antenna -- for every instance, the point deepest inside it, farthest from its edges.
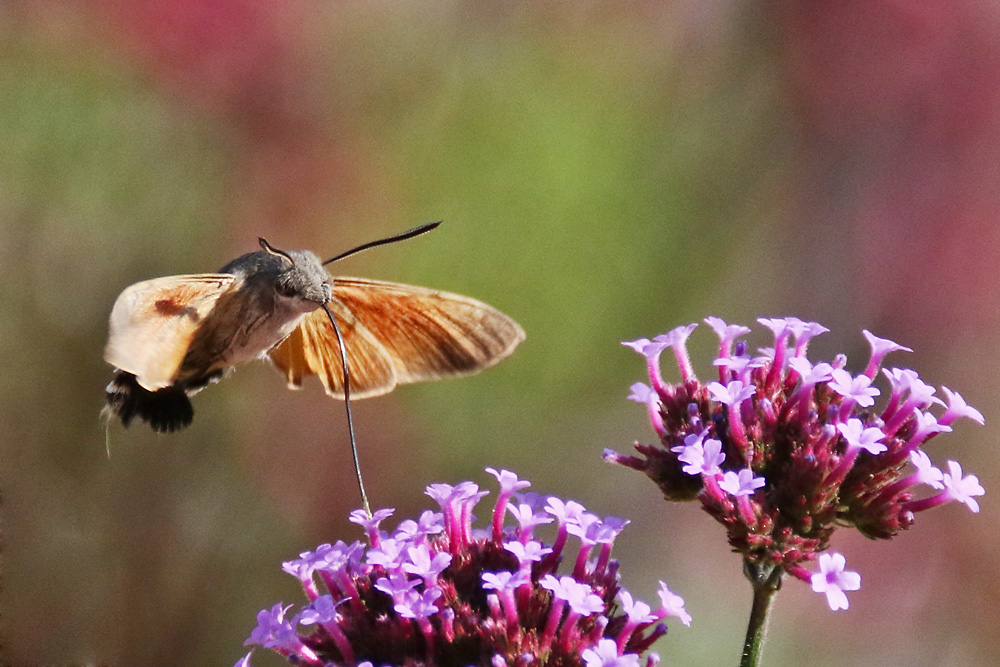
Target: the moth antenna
(416, 231)
(274, 251)
(347, 404)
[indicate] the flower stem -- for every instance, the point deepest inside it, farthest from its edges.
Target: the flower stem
(766, 580)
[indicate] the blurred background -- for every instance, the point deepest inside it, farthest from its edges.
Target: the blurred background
(604, 171)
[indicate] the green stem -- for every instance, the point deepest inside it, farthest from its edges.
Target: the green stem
(766, 580)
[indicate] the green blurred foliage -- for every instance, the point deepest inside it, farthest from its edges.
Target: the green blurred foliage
(604, 171)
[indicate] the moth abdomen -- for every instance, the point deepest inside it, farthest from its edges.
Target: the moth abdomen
(165, 410)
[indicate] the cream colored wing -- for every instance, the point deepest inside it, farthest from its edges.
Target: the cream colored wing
(153, 321)
(400, 334)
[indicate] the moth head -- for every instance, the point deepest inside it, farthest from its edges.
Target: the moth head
(298, 274)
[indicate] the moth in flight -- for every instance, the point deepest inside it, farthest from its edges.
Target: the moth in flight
(170, 337)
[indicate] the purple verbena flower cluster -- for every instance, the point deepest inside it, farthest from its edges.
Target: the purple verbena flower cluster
(436, 591)
(780, 450)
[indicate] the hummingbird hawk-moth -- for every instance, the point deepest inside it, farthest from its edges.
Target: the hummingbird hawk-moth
(170, 337)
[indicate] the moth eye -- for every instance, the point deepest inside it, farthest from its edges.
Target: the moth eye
(286, 290)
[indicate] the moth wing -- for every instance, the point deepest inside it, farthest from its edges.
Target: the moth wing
(312, 349)
(153, 321)
(429, 334)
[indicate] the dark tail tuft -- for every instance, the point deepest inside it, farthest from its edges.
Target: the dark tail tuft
(165, 410)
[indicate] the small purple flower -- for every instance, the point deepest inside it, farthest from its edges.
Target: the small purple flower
(919, 395)
(504, 581)
(645, 394)
(641, 393)
(396, 585)
(702, 457)
(274, 631)
(957, 407)
(803, 333)
(926, 425)
(962, 488)
(743, 483)
(389, 554)
(416, 604)
(731, 394)
(509, 482)
(926, 472)
(809, 374)
(565, 512)
(267, 622)
(830, 454)
(833, 580)
(858, 437)
(636, 610)
(581, 598)
(438, 591)
(880, 348)
(527, 520)
(371, 523)
(606, 655)
(858, 389)
(527, 553)
(727, 333)
(672, 604)
(736, 368)
(677, 339)
(645, 347)
(809, 377)
(638, 614)
(651, 351)
(429, 523)
(422, 564)
(781, 327)
(322, 610)
(303, 569)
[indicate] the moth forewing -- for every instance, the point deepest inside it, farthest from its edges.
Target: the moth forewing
(153, 321)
